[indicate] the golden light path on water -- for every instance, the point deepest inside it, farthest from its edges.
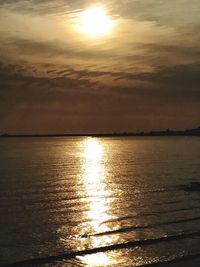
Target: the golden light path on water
(94, 177)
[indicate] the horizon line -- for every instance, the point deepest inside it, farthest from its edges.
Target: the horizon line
(167, 132)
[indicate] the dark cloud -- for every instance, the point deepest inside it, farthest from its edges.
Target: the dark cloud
(181, 80)
(168, 86)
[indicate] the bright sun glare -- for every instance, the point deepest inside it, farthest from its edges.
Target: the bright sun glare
(95, 22)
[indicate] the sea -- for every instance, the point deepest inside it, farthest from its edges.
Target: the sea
(87, 201)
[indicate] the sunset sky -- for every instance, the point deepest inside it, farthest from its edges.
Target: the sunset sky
(99, 66)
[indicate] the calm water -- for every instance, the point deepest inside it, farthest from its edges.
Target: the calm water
(121, 195)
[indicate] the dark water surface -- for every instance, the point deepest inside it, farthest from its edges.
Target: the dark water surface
(98, 201)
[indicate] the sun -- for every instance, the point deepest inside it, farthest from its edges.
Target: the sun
(95, 22)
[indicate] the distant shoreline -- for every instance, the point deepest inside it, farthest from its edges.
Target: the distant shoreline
(189, 132)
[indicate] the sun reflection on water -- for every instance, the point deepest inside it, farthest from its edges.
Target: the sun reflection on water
(94, 178)
(99, 259)
(95, 186)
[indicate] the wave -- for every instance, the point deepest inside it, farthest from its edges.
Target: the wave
(130, 244)
(148, 214)
(175, 260)
(131, 228)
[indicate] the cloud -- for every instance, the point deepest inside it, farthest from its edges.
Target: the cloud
(35, 6)
(54, 49)
(173, 84)
(169, 13)
(39, 103)
(146, 74)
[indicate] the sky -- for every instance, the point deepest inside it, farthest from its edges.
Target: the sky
(99, 66)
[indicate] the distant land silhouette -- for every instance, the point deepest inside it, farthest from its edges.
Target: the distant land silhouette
(187, 132)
